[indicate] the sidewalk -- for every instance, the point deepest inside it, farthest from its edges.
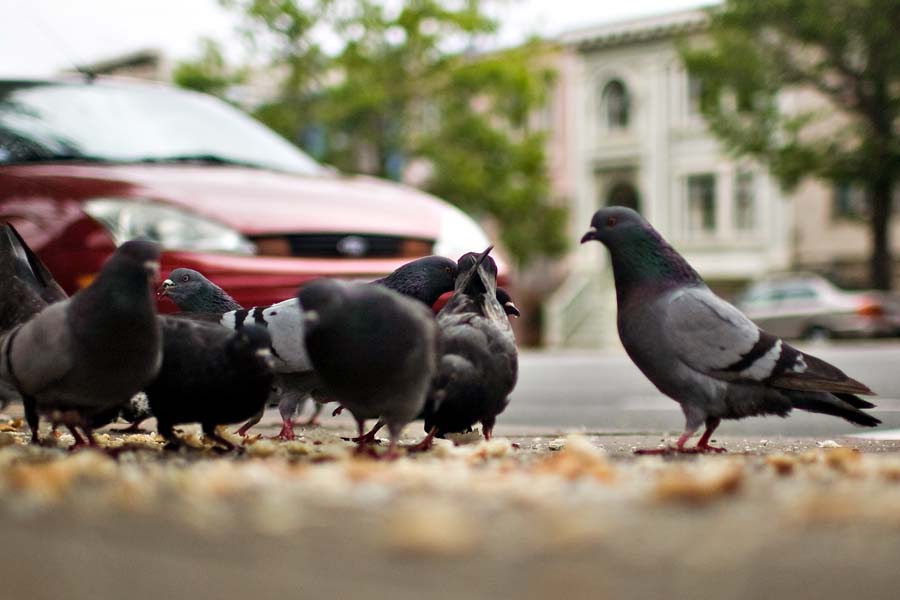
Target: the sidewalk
(306, 519)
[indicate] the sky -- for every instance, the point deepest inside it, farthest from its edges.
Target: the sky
(42, 37)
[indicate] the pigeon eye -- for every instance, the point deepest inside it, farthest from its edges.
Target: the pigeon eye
(611, 221)
(448, 270)
(185, 278)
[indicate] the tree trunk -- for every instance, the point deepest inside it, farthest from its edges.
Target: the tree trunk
(881, 263)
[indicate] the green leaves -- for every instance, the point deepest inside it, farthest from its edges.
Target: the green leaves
(399, 84)
(824, 82)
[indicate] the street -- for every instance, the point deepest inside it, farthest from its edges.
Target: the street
(605, 393)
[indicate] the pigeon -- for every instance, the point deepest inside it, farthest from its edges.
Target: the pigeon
(209, 375)
(192, 292)
(425, 279)
(478, 360)
(198, 297)
(26, 285)
(700, 350)
(88, 355)
(374, 349)
(506, 301)
(26, 288)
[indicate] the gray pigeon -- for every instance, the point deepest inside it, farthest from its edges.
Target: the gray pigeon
(424, 279)
(373, 348)
(83, 357)
(26, 285)
(26, 288)
(701, 351)
(478, 360)
(194, 293)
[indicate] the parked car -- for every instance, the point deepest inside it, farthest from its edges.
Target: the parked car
(85, 165)
(805, 305)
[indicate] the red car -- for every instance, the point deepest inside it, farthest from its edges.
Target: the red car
(85, 165)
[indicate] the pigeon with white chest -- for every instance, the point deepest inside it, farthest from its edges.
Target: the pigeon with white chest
(700, 350)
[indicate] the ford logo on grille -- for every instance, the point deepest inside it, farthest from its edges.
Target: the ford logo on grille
(352, 245)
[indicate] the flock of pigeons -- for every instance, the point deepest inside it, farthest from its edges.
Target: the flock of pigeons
(376, 349)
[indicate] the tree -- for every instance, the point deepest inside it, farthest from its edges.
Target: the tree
(209, 72)
(487, 158)
(758, 51)
(400, 83)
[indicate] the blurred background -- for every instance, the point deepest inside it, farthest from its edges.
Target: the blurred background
(759, 137)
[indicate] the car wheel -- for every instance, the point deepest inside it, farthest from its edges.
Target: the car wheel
(817, 333)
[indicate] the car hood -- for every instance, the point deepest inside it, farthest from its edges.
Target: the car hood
(259, 202)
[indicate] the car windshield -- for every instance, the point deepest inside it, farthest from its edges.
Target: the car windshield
(121, 123)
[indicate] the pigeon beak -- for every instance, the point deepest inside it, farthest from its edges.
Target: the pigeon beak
(266, 355)
(463, 282)
(165, 287)
(590, 235)
(511, 310)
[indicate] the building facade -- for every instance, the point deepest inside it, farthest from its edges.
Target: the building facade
(639, 140)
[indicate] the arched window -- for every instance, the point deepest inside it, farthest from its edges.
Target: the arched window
(614, 105)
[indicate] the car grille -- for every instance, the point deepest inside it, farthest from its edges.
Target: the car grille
(343, 245)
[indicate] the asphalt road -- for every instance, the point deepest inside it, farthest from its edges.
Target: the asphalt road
(605, 392)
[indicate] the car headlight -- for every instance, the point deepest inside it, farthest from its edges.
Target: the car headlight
(171, 227)
(459, 234)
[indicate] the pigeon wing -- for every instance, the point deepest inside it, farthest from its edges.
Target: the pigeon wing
(39, 353)
(713, 337)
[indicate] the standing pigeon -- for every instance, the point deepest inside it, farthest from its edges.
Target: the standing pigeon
(373, 348)
(478, 361)
(26, 285)
(424, 279)
(86, 356)
(701, 351)
(26, 288)
(209, 375)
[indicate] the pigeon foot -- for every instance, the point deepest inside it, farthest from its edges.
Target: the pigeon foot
(287, 431)
(244, 429)
(425, 444)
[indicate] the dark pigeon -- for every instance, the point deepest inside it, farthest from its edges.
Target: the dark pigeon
(88, 355)
(209, 375)
(26, 285)
(701, 351)
(478, 361)
(373, 348)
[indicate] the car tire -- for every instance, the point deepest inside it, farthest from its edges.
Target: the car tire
(817, 333)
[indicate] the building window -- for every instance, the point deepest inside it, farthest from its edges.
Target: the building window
(701, 204)
(694, 95)
(849, 202)
(744, 202)
(614, 105)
